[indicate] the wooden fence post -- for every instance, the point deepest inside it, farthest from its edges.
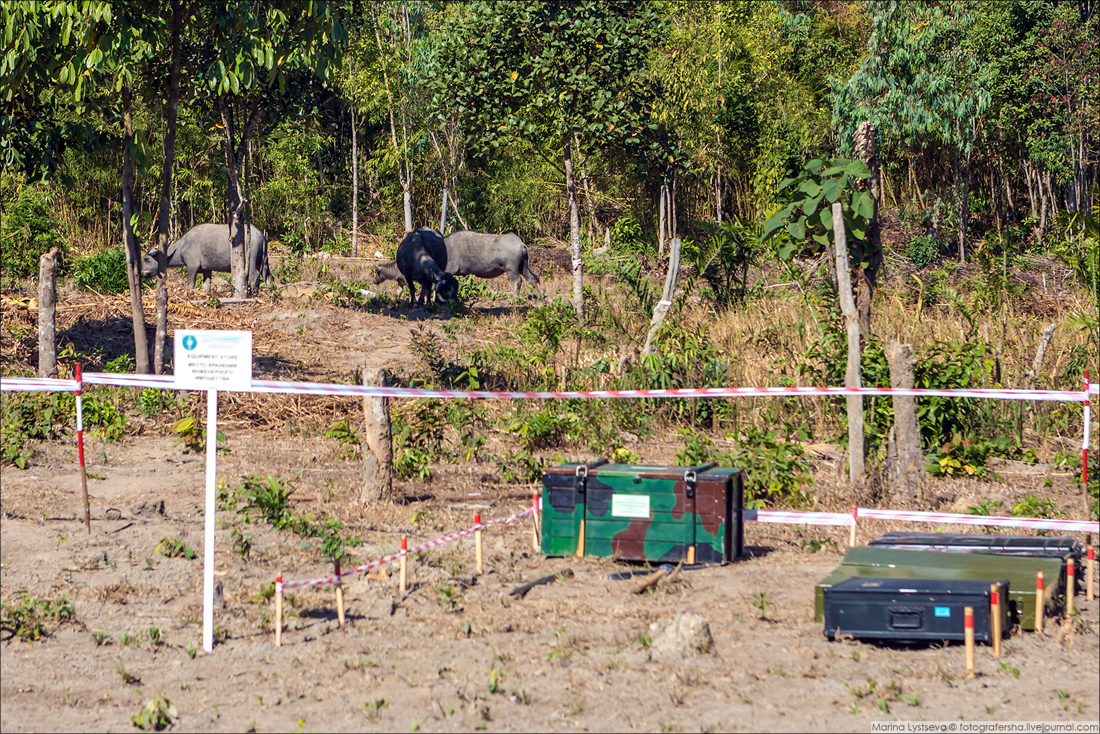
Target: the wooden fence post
(378, 452)
(47, 312)
(851, 373)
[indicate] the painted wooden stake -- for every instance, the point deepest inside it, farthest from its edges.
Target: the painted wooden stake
(580, 542)
(278, 610)
(80, 449)
(995, 618)
(1090, 570)
(339, 596)
(968, 634)
(1040, 603)
(691, 555)
(852, 528)
(1071, 586)
(404, 562)
(477, 544)
(535, 522)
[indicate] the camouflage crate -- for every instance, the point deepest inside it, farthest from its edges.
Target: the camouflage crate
(643, 513)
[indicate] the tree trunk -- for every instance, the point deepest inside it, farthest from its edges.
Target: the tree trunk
(354, 187)
(662, 198)
(378, 452)
(238, 260)
(867, 277)
(574, 229)
(443, 212)
(47, 314)
(404, 175)
(129, 241)
(851, 373)
(906, 469)
(165, 213)
(661, 310)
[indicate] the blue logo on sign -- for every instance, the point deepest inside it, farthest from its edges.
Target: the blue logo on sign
(943, 611)
(189, 342)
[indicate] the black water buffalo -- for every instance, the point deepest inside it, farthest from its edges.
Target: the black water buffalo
(422, 258)
(205, 248)
(483, 255)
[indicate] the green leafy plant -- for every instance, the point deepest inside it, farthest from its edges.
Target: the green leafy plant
(30, 619)
(761, 602)
(193, 435)
(496, 678)
(1032, 506)
(156, 715)
(171, 547)
(103, 271)
(101, 638)
(349, 440)
(520, 468)
(985, 507)
(374, 708)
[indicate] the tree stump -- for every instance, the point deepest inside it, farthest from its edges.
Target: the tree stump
(47, 312)
(378, 452)
(906, 462)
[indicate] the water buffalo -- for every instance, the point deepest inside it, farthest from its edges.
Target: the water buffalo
(490, 255)
(422, 258)
(205, 248)
(483, 255)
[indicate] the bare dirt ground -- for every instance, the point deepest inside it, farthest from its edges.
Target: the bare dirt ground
(455, 653)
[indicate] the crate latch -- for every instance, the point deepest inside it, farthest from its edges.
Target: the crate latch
(691, 477)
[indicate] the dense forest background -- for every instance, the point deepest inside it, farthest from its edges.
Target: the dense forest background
(985, 113)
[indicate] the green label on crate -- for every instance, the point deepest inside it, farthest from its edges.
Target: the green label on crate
(630, 505)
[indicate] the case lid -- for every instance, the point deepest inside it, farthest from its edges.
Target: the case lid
(892, 586)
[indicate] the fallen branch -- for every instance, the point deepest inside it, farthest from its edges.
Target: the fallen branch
(521, 591)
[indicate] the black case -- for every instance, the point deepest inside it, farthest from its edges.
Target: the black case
(911, 610)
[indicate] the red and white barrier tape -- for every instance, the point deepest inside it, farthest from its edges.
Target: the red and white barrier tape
(791, 517)
(313, 388)
(395, 556)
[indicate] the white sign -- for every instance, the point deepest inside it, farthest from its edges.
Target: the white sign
(213, 360)
(630, 505)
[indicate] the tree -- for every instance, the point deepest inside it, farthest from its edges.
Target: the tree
(250, 50)
(552, 78)
(920, 86)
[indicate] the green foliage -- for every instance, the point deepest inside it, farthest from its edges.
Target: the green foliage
(156, 715)
(807, 197)
(30, 619)
(724, 261)
(32, 417)
(192, 434)
(923, 250)
(1032, 506)
(103, 272)
(107, 421)
(985, 507)
(267, 498)
(171, 547)
(348, 438)
(520, 468)
(761, 602)
(28, 227)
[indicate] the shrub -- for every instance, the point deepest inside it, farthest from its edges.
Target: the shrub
(923, 250)
(103, 271)
(28, 228)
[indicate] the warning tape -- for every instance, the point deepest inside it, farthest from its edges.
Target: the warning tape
(395, 556)
(316, 388)
(791, 517)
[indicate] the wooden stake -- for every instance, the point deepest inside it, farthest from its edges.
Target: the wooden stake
(1089, 572)
(968, 634)
(580, 542)
(691, 555)
(404, 553)
(995, 618)
(339, 596)
(852, 528)
(1040, 603)
(535, 546)
(1071, 586)
(477, 543)
(278, 610)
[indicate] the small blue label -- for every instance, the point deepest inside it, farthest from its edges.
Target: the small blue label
(943, 611)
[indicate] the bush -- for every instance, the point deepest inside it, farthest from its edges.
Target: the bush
(103, 271)
(923, 250)
(28, 228)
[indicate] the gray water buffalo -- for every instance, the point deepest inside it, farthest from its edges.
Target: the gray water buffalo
(388, 271)
(204, 249)
(422, 258)
(483, 255)
(490, 255)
